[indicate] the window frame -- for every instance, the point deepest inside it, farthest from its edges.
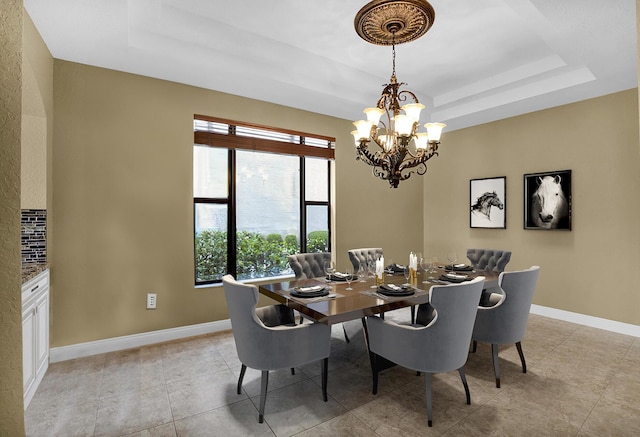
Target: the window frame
(232, 142)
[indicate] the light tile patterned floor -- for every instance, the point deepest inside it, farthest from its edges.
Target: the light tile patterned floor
(580, 382)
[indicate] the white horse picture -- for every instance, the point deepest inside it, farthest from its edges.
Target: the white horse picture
(549, 206)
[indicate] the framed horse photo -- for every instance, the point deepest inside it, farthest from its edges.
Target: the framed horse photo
(488, 203)
(547, 200)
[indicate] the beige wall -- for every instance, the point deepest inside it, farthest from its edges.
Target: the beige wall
(11, 49)
(594, 269)
(37, 118)
(123, 212)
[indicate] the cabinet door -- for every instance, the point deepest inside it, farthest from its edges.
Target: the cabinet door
(42, 331)
(28, 349)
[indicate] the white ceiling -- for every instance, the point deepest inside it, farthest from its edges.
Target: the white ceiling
(482, 60)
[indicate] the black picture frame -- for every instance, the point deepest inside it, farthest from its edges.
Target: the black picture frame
(556, 189)
(488, 201)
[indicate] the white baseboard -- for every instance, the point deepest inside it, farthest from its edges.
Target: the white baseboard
(80, 350)
(581, 319)
(137, 340)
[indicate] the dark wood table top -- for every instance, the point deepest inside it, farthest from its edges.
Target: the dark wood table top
(345, 305)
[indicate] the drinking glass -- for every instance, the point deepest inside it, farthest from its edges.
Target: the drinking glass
(407, 274)
(452, 257)
(329, 269)
(372, 272)
(371, 267)
(362, 272)
(433, 262)
(348, 277)
(390, 265)
(425, 263)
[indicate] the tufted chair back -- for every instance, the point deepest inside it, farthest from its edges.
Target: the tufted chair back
(489, 259)
(359, 256)
(309, 265)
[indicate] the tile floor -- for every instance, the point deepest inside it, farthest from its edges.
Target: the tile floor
(580, 382)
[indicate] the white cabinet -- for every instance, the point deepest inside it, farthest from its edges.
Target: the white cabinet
(35, 333)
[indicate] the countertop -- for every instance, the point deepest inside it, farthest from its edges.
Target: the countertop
(31, 270)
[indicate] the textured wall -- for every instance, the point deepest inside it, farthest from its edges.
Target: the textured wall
(37, 119)
(11, 395)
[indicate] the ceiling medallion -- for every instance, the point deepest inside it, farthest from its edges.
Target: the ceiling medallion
(387, 22)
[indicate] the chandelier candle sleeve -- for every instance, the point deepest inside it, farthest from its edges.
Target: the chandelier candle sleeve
(380, 271)
(413, 269)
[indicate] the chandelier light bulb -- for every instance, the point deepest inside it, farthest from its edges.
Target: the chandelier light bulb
(413, 110)
(356, 140)
(434, 130)
(373, 115)
(363, 128)
(421, 140)
(386, 141)
(404, 125)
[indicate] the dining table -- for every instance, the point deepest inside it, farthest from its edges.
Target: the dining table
(364, 298)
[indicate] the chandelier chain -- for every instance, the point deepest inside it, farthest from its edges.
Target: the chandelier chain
(393, 52)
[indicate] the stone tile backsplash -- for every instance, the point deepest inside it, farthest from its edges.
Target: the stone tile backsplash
(34, 236)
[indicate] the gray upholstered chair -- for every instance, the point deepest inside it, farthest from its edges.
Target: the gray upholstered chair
(441, 346)
(269, 348)
(364, 255)
(360, 256)
(489, 259)
(311, 265)
(506, 321)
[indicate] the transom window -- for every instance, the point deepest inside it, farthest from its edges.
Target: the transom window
(259, 195)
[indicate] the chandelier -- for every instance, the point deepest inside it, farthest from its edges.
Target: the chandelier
(384, 139)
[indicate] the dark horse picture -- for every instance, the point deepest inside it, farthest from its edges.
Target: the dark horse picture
(548, 200)
(488, 197)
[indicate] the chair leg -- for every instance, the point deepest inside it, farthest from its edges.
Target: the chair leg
(263, 394)
(293, 371)
(374, 370)
(464, 383)
(243, 369)
(325, 372)
(496, 364)
(413, 314)
(524, 364)
(474, 347)
(346, 337)
(427, 386)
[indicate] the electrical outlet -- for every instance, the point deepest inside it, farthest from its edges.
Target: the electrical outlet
(151, 301)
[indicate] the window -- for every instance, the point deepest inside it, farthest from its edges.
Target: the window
(259, 195)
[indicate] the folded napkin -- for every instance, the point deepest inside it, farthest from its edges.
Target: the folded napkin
(311, 289)
(395, 268)
(337, 276)
(461, 268)
(452, 277)
(394, 290)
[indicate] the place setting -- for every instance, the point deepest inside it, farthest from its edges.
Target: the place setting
(310, 291)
